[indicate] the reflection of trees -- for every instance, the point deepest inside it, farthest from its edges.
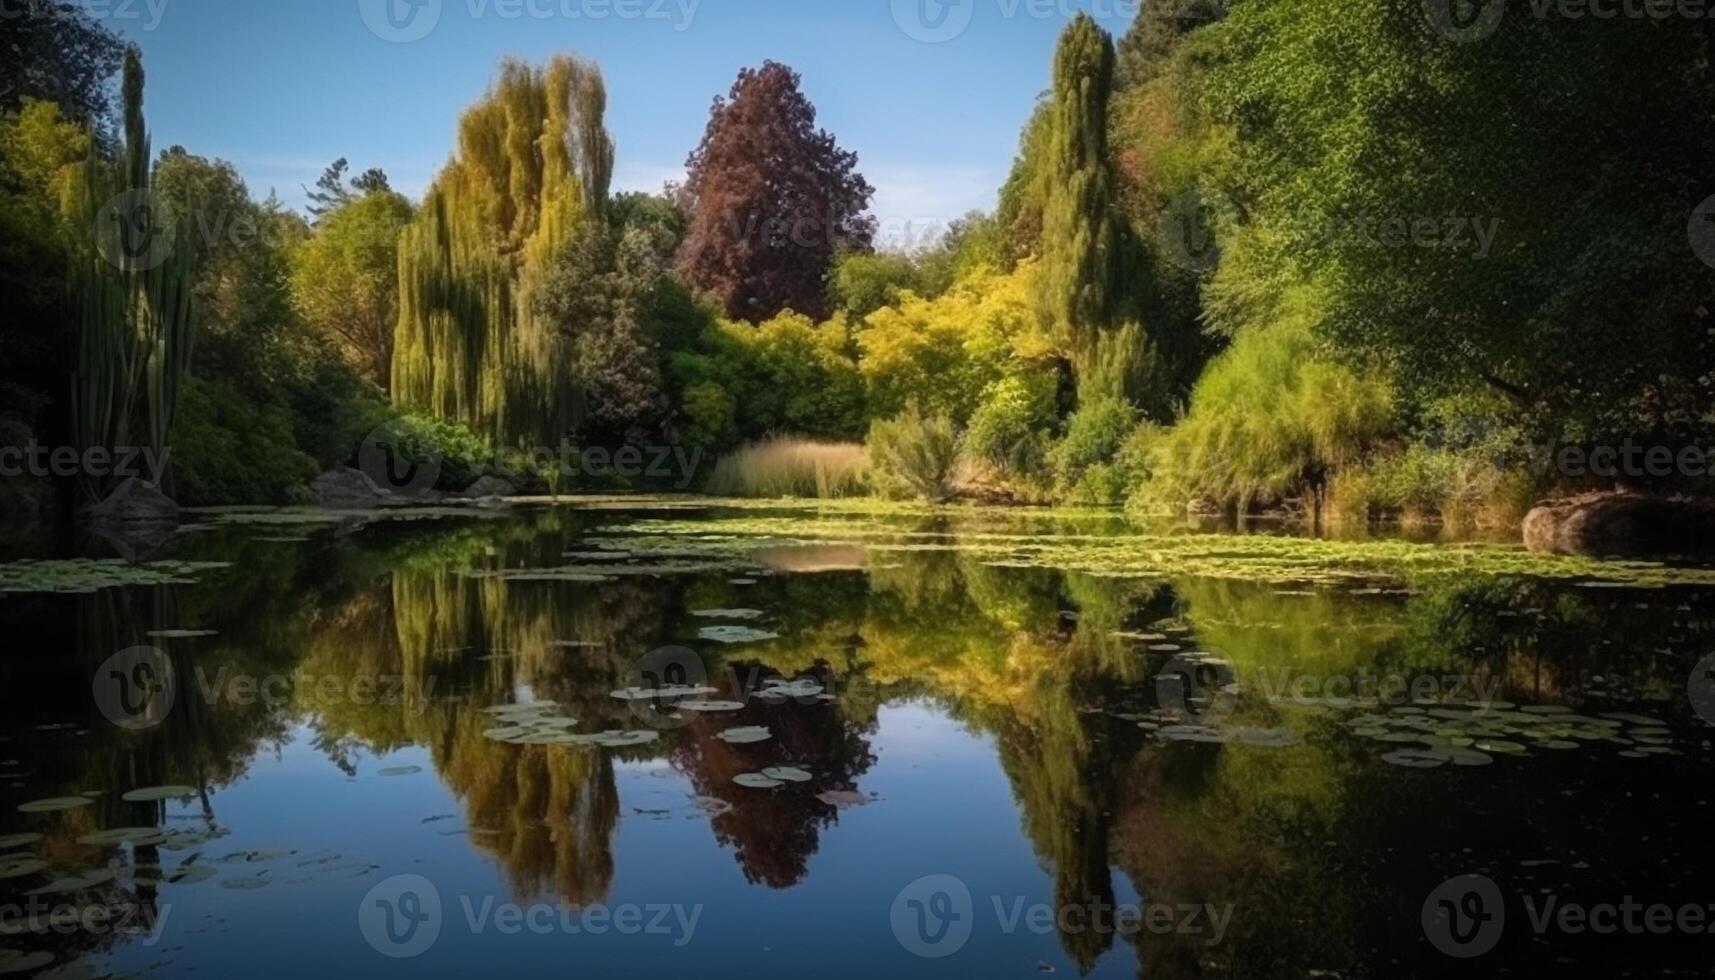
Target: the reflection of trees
(774, 834)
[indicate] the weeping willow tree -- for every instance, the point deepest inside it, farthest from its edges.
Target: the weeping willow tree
(132, 281)
(533, 160)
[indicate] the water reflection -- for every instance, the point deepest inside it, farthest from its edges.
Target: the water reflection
(382, 640)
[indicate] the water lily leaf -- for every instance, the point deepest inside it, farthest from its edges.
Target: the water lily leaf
(54, 804)
(124, 835)
(710, 705)
(75, 883)
(182, 634)
(21, 866)
(245, 884)
(756, 780)
(16, 961)
(619, 740)
(728, 613)
(736, 634)
(18, 840)
(842, 798)
(504, 734)
(745, 735)
(399, 771)
(787, 774)
(1415, 759)
(151, 794)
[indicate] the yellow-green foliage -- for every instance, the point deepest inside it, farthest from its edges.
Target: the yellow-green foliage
(1270, 418)
(943, 353)
(787, 374)
(787, 467)
(468, 344)
(913, 455)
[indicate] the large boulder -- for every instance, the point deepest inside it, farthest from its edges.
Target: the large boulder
(347, 489)
(133, 502)
(136, 518)
(1622, 524)
(488, 488)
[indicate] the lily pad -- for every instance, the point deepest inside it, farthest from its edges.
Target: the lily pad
(19, 867)
(710, 705)
(728, 613)
(17, 961)
(76, 883)
(756, 780)
(152, 794)
(620, 740)
(182, 634)
(54, 804)
(787, 774)
(736, 634)
(399, 771)
(124, 835)
(842, 798)
(1414, 759)
(18, 840)
(745, 735)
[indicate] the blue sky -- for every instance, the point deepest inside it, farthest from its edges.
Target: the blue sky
(283, 87)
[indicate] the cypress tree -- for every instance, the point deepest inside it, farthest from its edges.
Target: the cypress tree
(1081, 236)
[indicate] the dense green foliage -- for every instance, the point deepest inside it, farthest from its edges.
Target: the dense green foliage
(472, 344)
(1258, 255)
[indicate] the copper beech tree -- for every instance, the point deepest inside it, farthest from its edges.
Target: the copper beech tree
(772, 199)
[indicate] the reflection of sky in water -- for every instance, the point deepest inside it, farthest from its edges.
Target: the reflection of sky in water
(945, 807)
(992, 712)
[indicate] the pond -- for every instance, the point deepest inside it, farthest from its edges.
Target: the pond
(662, 736)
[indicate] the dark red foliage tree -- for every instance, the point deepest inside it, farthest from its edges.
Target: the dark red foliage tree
(771, 199)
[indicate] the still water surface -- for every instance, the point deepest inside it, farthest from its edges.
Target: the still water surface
(1236, 759)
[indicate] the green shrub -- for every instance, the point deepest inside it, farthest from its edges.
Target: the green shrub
(1270, 418)
(463, 455)
(1094, 436)
(229, 449)
(912, 455)
(787, 467)
(1010, 432)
